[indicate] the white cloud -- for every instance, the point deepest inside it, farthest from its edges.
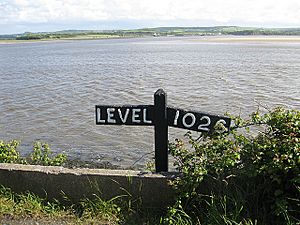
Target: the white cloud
(257, 12)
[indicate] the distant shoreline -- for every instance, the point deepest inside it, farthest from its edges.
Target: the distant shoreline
(260, 38)
(77, 38)
(209, 39)
(205, 32)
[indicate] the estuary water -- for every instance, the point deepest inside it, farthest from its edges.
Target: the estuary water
(48, 90)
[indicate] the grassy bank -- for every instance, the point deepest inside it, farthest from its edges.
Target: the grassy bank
(27, 208)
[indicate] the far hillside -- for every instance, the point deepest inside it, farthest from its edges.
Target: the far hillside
(157, 31)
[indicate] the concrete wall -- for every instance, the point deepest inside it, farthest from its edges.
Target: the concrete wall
(152, 189)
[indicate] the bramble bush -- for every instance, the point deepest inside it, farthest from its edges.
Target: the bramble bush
(249, 175)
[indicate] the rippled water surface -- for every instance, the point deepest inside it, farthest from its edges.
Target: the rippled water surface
(48, 90)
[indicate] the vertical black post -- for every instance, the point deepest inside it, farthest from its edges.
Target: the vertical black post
(161, 131)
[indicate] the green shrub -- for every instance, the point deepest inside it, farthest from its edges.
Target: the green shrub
(41, 154)
(243, 176)
(9, 153)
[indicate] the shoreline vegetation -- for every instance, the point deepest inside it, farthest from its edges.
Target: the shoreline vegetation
(203, 34)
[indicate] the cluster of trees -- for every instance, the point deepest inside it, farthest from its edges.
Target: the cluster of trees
(37, 36)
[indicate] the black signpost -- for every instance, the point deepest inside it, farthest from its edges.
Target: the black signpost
(160, 116)
(160, 131)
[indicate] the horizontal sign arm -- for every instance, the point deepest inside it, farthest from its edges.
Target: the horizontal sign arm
(143, 115)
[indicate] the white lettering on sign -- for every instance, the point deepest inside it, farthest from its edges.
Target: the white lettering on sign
(221, 121)
(193, 120)
(110, 114)
(189, 120)
(204, 126)
(99, 116)
(176, 118)
(123, 118)
(135, 116)
(145, 117)
(123, 115)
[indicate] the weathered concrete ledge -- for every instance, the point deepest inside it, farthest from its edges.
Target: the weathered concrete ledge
(152, 189)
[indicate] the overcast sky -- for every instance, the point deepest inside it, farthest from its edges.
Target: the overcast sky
(17, 16)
